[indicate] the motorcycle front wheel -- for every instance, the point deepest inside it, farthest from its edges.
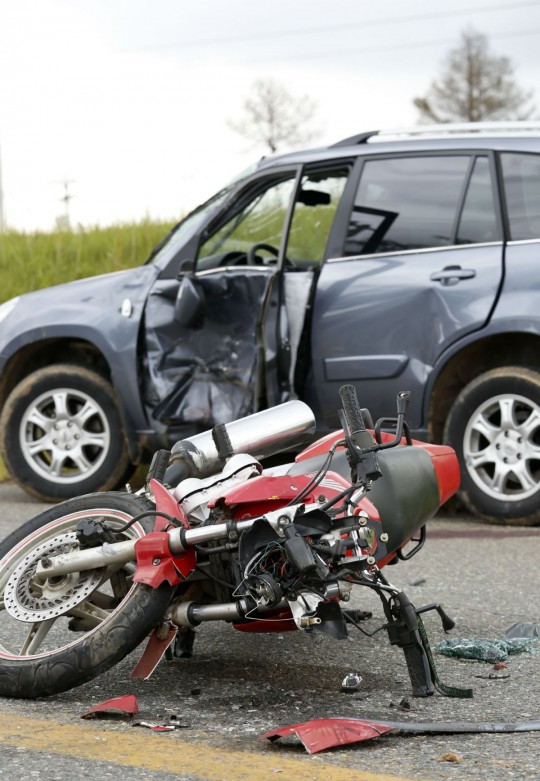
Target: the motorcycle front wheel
(59, 633)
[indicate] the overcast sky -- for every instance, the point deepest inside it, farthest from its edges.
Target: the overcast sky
(128, 101)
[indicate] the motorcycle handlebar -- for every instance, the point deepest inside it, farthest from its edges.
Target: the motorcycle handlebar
(351, 408)
(359, 436)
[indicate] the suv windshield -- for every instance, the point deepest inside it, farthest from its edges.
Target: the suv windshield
(190, 224)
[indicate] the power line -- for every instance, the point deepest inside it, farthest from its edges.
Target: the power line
(339, 27)
(379, 49)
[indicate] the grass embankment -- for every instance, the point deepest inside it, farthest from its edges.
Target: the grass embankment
(29, 261)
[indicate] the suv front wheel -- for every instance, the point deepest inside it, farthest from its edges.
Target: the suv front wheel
(494, 426)
(61, 435)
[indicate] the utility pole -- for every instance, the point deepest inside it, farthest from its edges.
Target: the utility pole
(2, 220)
(63, 221)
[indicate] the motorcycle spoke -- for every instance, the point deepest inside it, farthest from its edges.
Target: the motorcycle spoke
(119, 585)
(90, 612)
(36, 635)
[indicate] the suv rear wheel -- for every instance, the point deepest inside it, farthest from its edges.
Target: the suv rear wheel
(61, 436)
(494, 425)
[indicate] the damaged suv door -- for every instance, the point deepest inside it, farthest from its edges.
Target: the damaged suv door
(223, 338)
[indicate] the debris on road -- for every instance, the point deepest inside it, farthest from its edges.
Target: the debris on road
(321, 734)
(117, 706)
(351, 683)
(484, 650)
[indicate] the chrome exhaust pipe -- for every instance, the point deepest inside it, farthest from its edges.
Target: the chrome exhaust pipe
(193, 613)
(260, 435)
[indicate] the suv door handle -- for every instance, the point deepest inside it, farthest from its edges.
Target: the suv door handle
(450, 275)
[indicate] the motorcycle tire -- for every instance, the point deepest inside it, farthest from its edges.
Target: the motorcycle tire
(61, 633)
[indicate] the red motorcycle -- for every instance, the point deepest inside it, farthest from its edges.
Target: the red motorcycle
(214, 536)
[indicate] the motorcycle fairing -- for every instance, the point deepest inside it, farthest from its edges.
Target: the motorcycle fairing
(155, 562)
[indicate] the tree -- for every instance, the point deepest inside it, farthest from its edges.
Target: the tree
(474, 86)
(272, 116)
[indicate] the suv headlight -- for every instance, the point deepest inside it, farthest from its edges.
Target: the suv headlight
(7, 307)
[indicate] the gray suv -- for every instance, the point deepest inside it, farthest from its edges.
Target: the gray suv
(406, 260)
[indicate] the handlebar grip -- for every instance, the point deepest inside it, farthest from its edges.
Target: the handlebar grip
(351, 408)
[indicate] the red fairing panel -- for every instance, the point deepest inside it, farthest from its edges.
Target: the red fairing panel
(320, 734)
(155, 562)
(265, 493)
(446, 466)
(443, 457)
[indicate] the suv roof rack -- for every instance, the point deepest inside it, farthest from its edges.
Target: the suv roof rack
(361, 138)
(443, 129)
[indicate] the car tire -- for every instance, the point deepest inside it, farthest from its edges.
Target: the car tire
(494, 426)
(61, 434)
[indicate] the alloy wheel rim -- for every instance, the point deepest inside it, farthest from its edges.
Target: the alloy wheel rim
(501, 447)
(65, 435)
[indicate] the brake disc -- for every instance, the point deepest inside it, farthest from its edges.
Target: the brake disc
(30, 599)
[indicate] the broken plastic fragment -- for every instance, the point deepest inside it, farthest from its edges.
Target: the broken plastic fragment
(484, 650)
(157, 645)
(157, 727)
(320, 734)
(351, 683)
(115, 707)
(521, 629)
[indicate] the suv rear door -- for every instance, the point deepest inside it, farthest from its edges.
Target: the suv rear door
(421, 265)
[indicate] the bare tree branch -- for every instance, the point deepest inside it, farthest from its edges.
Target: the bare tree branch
(272, 116)
(474, 86)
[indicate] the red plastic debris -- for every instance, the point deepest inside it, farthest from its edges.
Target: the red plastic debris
(320, 734)
(155, 648)
(126, 704)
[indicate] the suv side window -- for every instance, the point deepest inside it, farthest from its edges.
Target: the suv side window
(259, 218)
(478, 221)
(406, 203)
(316, 204)
(521, 176)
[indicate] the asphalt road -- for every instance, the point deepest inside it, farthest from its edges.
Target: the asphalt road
(238, 686)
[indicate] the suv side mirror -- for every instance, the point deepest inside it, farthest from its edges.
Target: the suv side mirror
(189, 302)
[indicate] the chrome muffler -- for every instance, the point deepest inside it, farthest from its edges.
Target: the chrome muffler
(260, 435)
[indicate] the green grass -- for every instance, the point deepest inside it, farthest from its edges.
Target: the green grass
(29, 261)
